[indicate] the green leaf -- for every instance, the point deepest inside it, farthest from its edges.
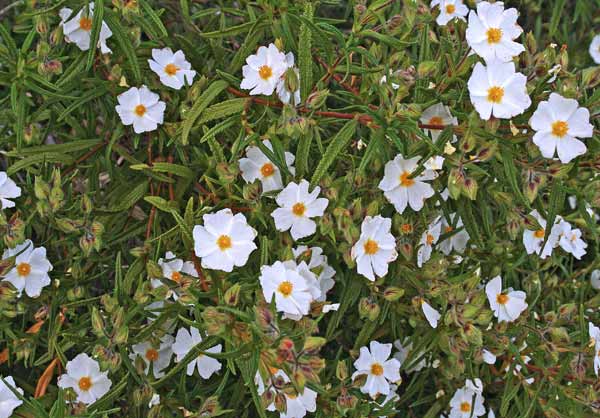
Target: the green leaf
(125, 45)
(223, 109)
(46, 157)
(305, 54)
(208, 96)
(336, 146)
(95, 34)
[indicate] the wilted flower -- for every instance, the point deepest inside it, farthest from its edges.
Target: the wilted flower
(224, 241)
(172, 68)
(83, 375)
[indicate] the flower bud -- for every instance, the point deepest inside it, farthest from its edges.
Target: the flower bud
(392, 294)
(369, 309)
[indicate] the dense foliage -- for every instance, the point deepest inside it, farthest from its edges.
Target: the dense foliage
(148, 274)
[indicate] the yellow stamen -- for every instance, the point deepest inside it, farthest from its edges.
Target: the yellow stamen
(267, 170)
(140, 110)
(265, 72)
(176, 276)
(376, 369)
(502, 299)
(465, 407)
(285, 288)
(560, 128)
(151, 354)
(405, 181)
(450, 8)
(494, 35)
(85, 23)
(85, 383)
(23, 269)
(224, 242)
(539, 234)
(371, 247)
(298, 209)
(171, 69)
(495, 94)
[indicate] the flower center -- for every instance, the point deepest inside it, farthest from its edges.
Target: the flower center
(151, 354)
(224, 242)
(539, 234)
(171, 69)
(436, 120)
(573, 238)
(267, 170)
(406, 228)
(465, 407)
(285, 288)
(23, 269)
(371, 247)
(176, 276)
(376, 369)
(429, 239)
(140, 110)
(448, 229)
(405, 180)
(494, 35)
(502, 299)
(298, 209)
(495, 94)
(450, 8)
(265, 72)
(560, 128)
(85, 383)
(85, 23)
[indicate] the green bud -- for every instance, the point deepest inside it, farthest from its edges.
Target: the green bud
(469, 188)
(341, 370)
(97, 322)
(317, 99)
(368, 309)
(153, 269)
(41, 189)
(232, 295)
(392, 294)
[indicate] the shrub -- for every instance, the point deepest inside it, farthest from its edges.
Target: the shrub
(333, 209)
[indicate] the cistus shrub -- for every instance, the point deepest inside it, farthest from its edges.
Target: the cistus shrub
(275, 208)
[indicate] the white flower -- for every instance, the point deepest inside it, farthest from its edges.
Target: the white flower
(558, 123)
(375, 248)
(83, 375)
(507, 306)
(595, 49)
(450, 9)
(492, 30)
(434, 164)
(296, 207)
(498, 90)
(570, 240)
(225, 240)
(595, 279)
(158, 357)
(438, 114)
(462, 402)
(431, 314)
(458, 240)
(140, 108)
(318, 265)
(184, 342)
(595, 340)
(404, 349)
(380, 371)
(172, 68)
(172, 269)
(310, 278)
(154, 401)
(257, 165)
(79, 29)
(8, 190)
(8, 400)
(31, 269)
(488, 356)
(264, 70)
(401, 189)
(296, 405)
(284, 94)
(428, 239)
(533, 240)
(293, 294)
